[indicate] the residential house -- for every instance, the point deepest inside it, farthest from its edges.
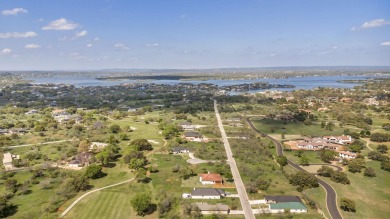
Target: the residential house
(347, 155)
(344, 139)
(207, 193)
(179, 150)
(293, 207)
(371, 102)
(33, 111)
(278, 204)
(346, 100)
(97, 146)
(278, 198)
(187, 126)
(220, 208)
(314, 144)
(83, 159)
(3, 131)
(18, 131)
(193, 136)
(7, 160)
(210, 178)
(233, 119)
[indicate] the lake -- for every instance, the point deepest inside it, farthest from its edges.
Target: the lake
(308, 82)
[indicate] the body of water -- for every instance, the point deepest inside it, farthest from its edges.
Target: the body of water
(308, 82)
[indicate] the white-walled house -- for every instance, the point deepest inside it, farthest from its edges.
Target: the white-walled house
(207, 193)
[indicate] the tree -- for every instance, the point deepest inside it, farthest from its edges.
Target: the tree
(386, 126)
(356, 165)
(5, 207)
(370, 172)
(83, 146)
(340, 177)
(299, 153)
(141, 145)
(327, 155)
(375, 155)
(115, 128)
(93, 171)
(170, 131)
(141, 203)
(105, 156)
(325, 171)
(347, 205)
(357, 146)
(385, 165)
(380, 137)
(382, 148)
(304, 180)
(304, 161)
(282, 160)
(11, 185)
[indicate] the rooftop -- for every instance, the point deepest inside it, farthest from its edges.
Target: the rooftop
(277, 198)
(288, 205)
(207, 192)
(215, 177)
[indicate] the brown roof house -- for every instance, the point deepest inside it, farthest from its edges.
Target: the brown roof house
(210, 178)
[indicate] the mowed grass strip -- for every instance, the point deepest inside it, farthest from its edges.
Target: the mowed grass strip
(110, 203)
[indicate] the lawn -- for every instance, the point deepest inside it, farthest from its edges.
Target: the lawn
(371, 195)
(110, 203)
(311, 155)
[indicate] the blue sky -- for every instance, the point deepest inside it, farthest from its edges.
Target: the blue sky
(101, 34)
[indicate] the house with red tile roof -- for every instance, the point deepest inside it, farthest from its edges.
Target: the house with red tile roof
(210, 178)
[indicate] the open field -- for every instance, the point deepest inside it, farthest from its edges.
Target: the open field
(271, 126)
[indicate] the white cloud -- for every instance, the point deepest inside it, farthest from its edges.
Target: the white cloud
(18, 35)
(60, 24)
(76, 56)
(14, 11)
(371, 24)
(6, 51)
(121, 46)
(82, 33)
(32, 46)
(385, 43)
(96, 39)
(89, 45)
(152, 45)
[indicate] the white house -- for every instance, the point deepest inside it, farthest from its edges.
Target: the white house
(347, 155)
(97, 146)
(207, 193)
(7, 160)
(293, 207)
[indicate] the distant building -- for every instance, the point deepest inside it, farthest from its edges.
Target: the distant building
(347, 155)
(179, 150)
(7, 160)
(97, 146)
(279, 204)
(193, 136)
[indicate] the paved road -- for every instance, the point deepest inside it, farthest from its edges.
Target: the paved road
(95, 190)
(28, 145)
(331, 196)
(233, 166)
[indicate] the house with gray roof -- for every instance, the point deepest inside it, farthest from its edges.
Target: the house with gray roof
(207, 193)
(202, 206)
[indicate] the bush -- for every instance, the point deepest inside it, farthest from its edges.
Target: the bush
(282, 160)
(325, 171)
(385, 165)
(93, 171)
(141, 203)
(382, 148)
(347, 205)
(304, 180)
(370, 172)
(340, 177)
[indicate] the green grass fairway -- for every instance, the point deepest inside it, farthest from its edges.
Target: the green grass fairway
(110, 203)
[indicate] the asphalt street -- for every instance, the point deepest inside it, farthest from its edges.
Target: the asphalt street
(331, 196)
(233, 166)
